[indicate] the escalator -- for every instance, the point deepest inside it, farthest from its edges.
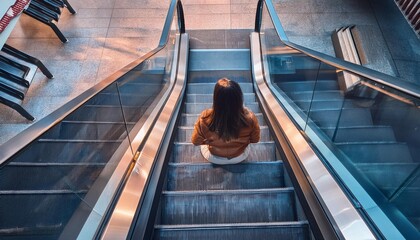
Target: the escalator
(117, 162)
(203, 201)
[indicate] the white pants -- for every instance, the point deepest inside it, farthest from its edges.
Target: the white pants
(222, 160)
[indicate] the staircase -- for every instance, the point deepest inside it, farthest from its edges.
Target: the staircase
(372, 148)
(42, 186)
(250, 200)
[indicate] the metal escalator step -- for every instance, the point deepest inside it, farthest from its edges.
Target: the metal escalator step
(228, 206)
(65, 151)
(361, 134)
(45, 232)
(38, 208)
(318, 105)
(51, 176)
(188, 153)
(208, 88)
(195, 108)
(107, 113)
(377, 152)
(219, 59)
(212, 76)
(297, 86)
(415, 221)
(143, 74)
(396, 174)
(89, 130)
(117, 99)
(208, 98)
(206, 176)
(298, 230)
(342, 118)
(318, 95)
(136, 88)
(184, 134)
(408, 198)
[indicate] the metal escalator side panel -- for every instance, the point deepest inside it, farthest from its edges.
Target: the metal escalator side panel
(339, 210)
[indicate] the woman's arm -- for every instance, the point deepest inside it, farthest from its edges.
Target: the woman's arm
(255, 134)
(197, 137)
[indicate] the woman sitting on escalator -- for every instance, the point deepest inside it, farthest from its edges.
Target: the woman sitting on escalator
(226, 130)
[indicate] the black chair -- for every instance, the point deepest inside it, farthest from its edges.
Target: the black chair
(48, 11)
(14, 79)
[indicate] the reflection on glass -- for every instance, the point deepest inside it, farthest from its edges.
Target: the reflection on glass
(59, 177)
(373, 130)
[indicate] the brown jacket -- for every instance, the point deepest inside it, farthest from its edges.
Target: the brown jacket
(235, 147)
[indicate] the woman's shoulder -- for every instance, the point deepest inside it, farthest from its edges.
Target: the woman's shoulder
(206, 113)
(248, 113)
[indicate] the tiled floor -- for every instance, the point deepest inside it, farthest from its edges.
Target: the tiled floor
(105, 35)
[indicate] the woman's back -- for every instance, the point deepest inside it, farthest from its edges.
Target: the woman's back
(227, 128)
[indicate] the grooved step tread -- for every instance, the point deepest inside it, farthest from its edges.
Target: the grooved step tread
(297, 86)
(228, 206)
(207, 176)
(361, 134)
(298, 230)
(208, 88)
(377, 152)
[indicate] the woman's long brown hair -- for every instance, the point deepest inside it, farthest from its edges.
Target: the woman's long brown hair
(228, 116)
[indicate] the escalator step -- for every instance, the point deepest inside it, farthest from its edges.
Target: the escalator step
(342, 118)
(297, 86)
(408, 198)
(319, 95)
(136, 88)
(38, 208)
(107, 113)
(196, 108)
(184, 134)
(45, 176)
(208, 88)
(228, 206)
(188, 153)
(207, 176)
(88, 130)
(116, 99)
(362, 134)
(397, 173)
(213, 76)
(208, 98)
(43, 232)
(141, 74)
(377, 152)
(219, 59)
(69, 152)
(246, 231)
(318, 105)
(190, 119)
